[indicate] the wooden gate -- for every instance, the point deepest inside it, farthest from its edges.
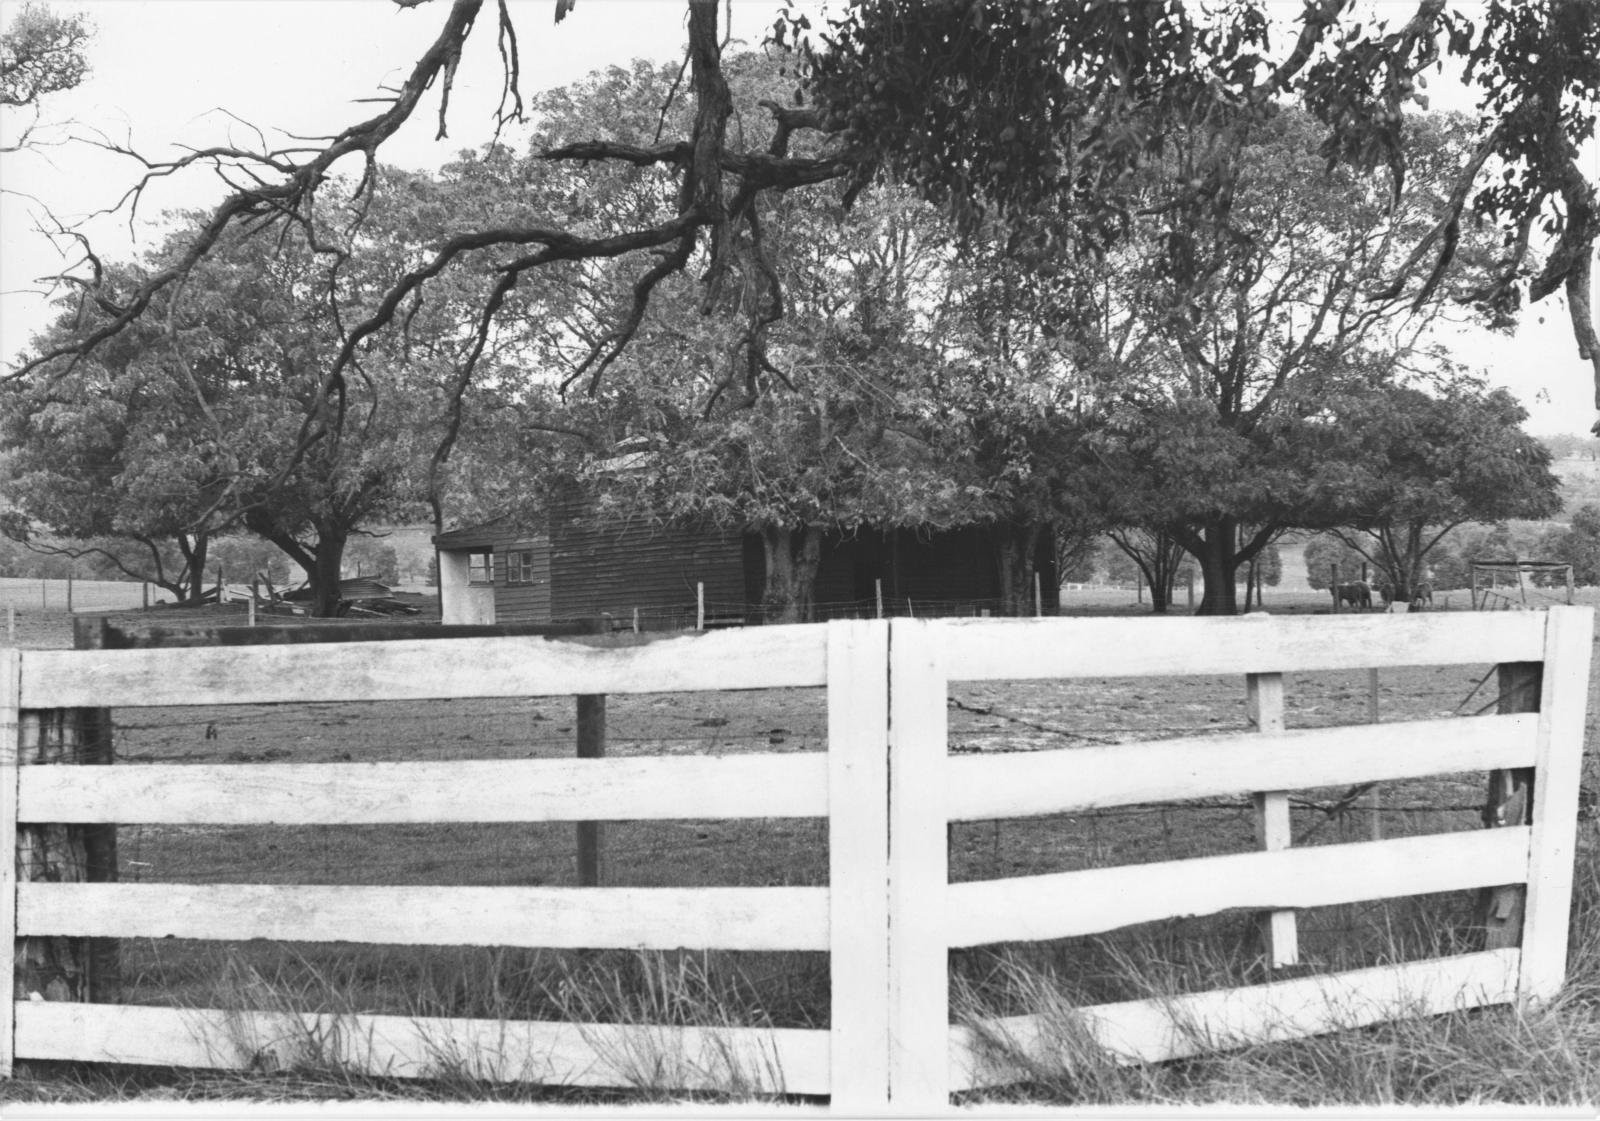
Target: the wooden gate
(887, 785)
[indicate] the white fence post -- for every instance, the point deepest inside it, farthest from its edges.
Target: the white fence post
(1564, 695)
(1265, 700)
(10, 697)
(919, 1016)
(858, 865)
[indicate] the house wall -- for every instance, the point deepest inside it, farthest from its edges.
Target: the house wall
(614, 567)
(949, 570)
(955, 566)
(502, 603)
(521, 602)
(460, 601)
(587, 567)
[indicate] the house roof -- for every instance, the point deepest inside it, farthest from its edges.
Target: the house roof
(504, 530)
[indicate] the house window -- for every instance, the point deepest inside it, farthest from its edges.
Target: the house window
(519, 567)
(480, 567)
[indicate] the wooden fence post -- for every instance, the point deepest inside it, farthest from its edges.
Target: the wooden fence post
(699, 606)
(1279, 936)
(858, 866)
(10, 694)
(1333, 584)
(97, 748)
(591, 745)
(591, 731)
(919, 869)
(1374, 796)
(74, 969)
(1559, 765)
(1509, 800)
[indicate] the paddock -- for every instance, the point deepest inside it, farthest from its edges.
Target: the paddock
(983, 747)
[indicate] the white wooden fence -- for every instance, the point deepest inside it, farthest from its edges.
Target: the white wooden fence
(887, 786)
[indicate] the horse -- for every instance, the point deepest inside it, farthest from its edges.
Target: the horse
(1357, 593)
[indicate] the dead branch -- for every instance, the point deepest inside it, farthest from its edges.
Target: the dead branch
(299, 180)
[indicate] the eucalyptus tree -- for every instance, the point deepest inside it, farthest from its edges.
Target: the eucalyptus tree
(108, 458)
(1425, 464)
(196, 421)
(986, 107)
(1248, 318)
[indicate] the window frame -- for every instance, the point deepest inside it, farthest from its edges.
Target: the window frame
(519, 566)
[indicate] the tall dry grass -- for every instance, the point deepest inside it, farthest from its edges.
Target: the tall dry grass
(1537, 1056)
(1534, 1056)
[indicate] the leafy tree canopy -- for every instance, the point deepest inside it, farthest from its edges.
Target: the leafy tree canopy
(194, 420)
(1421, 465)
(41, 53)
(1039, 114)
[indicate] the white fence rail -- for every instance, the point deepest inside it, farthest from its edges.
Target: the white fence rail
(888, 787)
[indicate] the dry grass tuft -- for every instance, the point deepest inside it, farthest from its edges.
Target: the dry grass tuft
(1543, 1056)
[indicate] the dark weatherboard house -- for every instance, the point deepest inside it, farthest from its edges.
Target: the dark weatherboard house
(578, 567)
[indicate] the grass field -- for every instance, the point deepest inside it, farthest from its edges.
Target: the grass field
(773, 989)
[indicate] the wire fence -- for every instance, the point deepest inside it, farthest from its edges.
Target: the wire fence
(991, 717)
(986, 717)
(983, 717)
(23, 594)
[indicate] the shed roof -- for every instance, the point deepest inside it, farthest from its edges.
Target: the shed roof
(491, 532)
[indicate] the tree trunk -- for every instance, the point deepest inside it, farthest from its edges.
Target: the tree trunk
(1218, 563)
(328, 560)
(1160, 596)
(792, 556)
(1159, 556)
(194, 573)
(1016, 549)
(320, 561)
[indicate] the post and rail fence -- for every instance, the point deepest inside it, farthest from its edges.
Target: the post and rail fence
(887, 787)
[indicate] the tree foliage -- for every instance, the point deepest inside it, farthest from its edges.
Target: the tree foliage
(107, 459)
(1029, 109)
(1423, 465)
(1080, 144)
(1244, 319)
(41, 53)
(1578, 545)
(192, 422)
(1039, 114)
(1323, 551)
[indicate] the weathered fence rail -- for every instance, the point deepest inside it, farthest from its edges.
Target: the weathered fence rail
(888, 787)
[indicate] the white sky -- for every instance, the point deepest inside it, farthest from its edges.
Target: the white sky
(168, 71)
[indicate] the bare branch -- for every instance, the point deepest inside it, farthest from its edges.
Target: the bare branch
(300, 180)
